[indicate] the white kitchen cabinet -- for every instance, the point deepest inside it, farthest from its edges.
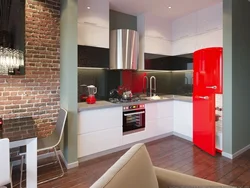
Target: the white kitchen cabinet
(157, 45)
(157, 34)
(159, 118)
(92, 35)
(99, 130)
(160, 126)
(93, 23)
(210, 39)
(158, 110)
(97, 14)
(99, 119)
(184, 46)
(210, 18)
(99, 141)
(185, 26)
(183, 119)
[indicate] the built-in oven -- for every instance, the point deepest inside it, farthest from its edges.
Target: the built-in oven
(133, 118)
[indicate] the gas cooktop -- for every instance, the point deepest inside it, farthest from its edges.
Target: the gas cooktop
(116, 100)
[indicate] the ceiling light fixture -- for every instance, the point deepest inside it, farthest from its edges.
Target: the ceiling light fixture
(169, 7)
(88, 7)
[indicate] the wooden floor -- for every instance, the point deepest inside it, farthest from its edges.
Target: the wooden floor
(170, 153)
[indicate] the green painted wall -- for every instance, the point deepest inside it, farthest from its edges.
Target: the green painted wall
(236, 102)
(120, 20)
(241, 74)
(227, 76)
(68, 75)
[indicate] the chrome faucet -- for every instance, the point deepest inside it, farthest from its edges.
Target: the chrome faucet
(143, 86)
(152, 87)
(186, 79)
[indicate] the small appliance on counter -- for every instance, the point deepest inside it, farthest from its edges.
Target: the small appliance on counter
(92, 90)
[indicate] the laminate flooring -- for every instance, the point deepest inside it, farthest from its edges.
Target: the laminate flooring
(171, 153)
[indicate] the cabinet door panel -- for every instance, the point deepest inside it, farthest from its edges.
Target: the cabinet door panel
(210, 39)
(159, 110)
(160, 126)
(184, 27)
(92, 35)
(210, 18)
(183, 118)
(157, 45)
(100, 119)
(99, 141)
(184, 45)
(98, 13)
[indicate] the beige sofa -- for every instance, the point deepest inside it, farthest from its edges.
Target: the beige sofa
(135, 170)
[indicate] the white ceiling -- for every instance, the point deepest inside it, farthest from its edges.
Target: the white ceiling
(160, 7)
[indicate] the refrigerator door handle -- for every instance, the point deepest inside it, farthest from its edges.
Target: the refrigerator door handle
(211, 87)
(204, 97)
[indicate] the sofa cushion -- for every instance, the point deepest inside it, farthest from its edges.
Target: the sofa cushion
(133, 170)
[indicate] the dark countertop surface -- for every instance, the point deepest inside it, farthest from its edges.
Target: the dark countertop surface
(106, 104)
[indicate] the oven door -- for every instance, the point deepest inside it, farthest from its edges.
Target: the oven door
(133, 121)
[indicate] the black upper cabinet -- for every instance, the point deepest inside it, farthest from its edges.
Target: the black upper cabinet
(94, 57)
(171, 63)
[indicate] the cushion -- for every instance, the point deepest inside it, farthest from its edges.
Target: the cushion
(133, 170)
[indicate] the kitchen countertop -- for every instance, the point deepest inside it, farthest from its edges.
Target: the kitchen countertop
(106, 104)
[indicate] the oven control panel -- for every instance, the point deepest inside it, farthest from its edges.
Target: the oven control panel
(134, 107)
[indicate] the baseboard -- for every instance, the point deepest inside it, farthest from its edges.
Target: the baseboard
(236, 154)
(227, 155)
(96, 155)
(68, 165)
(183, 136)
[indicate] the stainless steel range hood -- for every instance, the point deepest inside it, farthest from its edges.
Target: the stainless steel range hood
(124, 49)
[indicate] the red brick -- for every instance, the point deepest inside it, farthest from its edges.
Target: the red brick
(28, 96)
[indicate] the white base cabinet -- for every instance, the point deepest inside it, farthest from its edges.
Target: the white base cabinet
(159, 118)
(183, 119)
(99, 130)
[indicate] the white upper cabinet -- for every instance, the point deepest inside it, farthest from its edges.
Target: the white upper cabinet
(210, 39)
(200, 29)
(209, 19)
(93, 23)
(158, 46)
(157, 35)
(97, 14)
(184, 26)
(184, 46)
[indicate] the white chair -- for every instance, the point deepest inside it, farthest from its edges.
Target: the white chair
(50, 142)
(5, 170)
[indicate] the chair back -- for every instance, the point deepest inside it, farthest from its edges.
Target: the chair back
(4, 162)
(60, 123)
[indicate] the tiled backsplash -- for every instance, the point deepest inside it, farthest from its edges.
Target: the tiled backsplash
(105, 80)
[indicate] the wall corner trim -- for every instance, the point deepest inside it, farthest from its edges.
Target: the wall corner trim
(68, 165)
(236, 154)
(227, 155)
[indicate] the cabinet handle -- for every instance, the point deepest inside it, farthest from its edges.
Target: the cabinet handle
(205, 97)
(211, 87)
(94, 24)
(90, 23)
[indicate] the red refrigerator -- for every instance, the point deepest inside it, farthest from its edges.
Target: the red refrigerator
(207, 91)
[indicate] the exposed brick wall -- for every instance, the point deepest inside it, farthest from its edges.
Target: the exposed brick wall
(36, 94)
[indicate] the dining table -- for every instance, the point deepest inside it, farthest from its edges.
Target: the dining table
(24, 136)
